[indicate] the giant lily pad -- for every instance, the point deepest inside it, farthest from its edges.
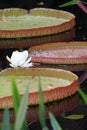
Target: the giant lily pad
(60, 53)
(38, 22)
(56, 84)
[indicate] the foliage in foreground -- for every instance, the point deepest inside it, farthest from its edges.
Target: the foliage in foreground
(80, 3)
(72, 2)
(20, 107)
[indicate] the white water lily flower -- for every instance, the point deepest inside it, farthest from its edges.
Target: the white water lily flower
(20, 59)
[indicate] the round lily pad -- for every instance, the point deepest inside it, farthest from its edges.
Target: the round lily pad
(60, 53)
(56, 84)
(14, 23)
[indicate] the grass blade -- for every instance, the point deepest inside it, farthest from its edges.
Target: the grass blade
(42, 108)
(83, 95)
(16, 99)
(16, 96)
(21, 112)
(54, 123)
(6, 120)
(70, 3)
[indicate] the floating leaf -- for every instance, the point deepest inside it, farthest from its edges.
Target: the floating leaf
(70, 3)
(54, 122)
(6, 120)
(21, 112)
(77, 116)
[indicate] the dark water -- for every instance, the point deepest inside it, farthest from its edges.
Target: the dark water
(72, 105)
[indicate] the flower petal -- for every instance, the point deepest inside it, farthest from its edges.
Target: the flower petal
(9, 60)
(28, 60)
(23, 57)
(27, 65)
(13, 66)
(19, 58)
(15, 58)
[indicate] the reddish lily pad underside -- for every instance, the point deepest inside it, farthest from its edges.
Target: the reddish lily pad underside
(60, 53)
(56, 107)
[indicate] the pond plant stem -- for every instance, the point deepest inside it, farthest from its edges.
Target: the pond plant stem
(82, 6)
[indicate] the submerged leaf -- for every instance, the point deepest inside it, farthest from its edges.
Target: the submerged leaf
(6, 120)
(54, 122)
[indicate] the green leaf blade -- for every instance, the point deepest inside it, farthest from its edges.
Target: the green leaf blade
(6, 120)
(70, 3)
(54, 123)
(83, 95)
(21, 112)
(16, 95)
(41, 108)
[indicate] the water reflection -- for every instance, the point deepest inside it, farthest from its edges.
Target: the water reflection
(28, 42)
(57, 108)
(70, 67)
